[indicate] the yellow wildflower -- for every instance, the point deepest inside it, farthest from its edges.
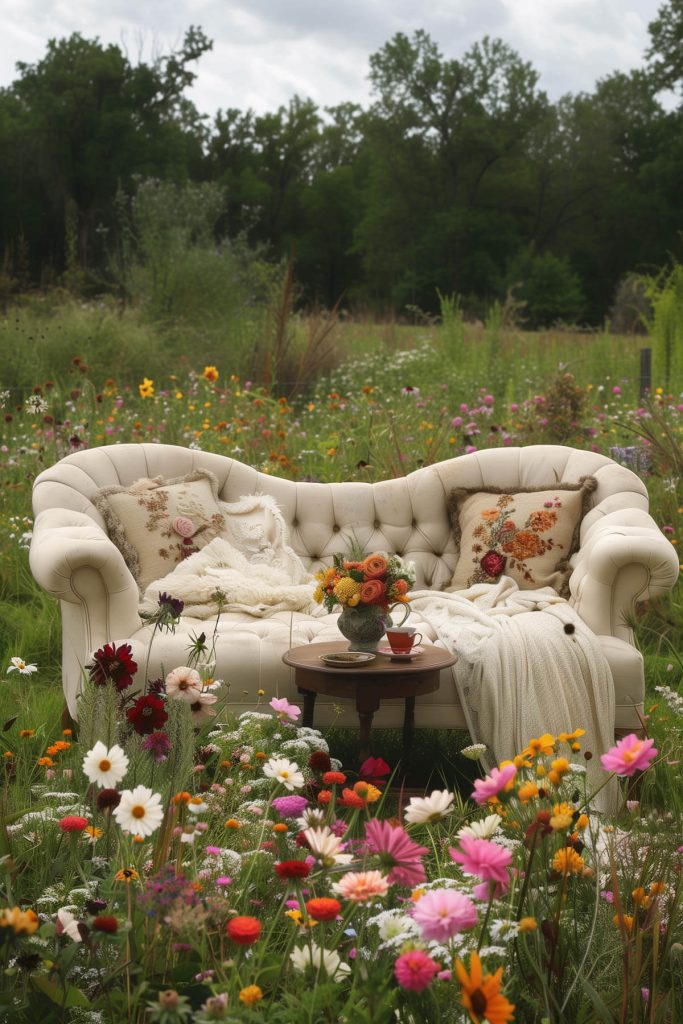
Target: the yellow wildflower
(146, 389)
(568, 862)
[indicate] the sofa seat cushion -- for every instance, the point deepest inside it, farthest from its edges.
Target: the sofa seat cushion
(528, 534)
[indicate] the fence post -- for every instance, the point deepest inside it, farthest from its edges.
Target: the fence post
(645, 370)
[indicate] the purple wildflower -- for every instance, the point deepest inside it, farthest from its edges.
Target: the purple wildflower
(158, 743)
(290, 806)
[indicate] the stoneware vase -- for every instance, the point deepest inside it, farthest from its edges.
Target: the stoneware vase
(362, 626)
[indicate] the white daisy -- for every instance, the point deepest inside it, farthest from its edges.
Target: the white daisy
(434, 807)
(196, 805)
(140, 811)
(20, 666)
(105, 767)
(318, 957)
(483, 829)
(326, 847)
(285, 772)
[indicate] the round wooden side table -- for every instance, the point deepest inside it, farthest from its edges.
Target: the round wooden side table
(368, 684)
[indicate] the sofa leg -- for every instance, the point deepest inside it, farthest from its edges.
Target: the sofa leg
(67, 721)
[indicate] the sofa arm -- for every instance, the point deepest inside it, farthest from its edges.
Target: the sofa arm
(623, 560)
(76, 562)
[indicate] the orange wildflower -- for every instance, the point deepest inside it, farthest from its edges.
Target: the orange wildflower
(481, 995)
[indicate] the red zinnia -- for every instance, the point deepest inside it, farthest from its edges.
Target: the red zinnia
(322, 908)
(334, 779)
(113, 664)
(243, 930)
(147, 714)
(105, 923)
(292, 869)
(73, 823)
(350, 799)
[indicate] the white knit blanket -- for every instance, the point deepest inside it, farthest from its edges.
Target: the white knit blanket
(272, 581)
(527, 664)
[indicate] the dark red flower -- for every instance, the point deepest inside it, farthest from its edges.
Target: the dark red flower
(319, 761)
(243, 930)
(113, 664)
(373, 769)
(493, 564)
(105, 923)
(107, 799)
(292, 869)
(541, 824)
(147, 714)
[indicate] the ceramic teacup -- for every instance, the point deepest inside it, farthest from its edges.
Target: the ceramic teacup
(403, 638)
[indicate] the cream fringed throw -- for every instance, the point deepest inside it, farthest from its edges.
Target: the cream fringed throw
(527, 665)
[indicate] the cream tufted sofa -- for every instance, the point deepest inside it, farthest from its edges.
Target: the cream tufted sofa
(623, 559)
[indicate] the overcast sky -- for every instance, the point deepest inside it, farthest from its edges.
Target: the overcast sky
(266, 51)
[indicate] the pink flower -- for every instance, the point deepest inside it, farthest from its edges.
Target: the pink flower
(397, 852)
(483, 858)
(184, 683)
(629, 756)
(415, 970)
(442, 913)
(359, 886)
(484, 789)
(284, 709)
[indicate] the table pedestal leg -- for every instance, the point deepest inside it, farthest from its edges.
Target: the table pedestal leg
(408, 728)
(365, 719)
(309, 707)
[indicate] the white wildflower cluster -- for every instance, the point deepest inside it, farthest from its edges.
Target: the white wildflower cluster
(36, 404)
(673, 699)
(4, 398)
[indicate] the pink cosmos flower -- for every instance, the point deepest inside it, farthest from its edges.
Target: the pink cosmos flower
(183, 683)
(415, 970)
(629, 756)
(397, 852)
(484, 789)
(442, 913)
(284, 709)
(359, 886)
(483, 858)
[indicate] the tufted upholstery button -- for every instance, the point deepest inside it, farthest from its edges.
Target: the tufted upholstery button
(413, 523)
(336, 528)
(376, 524)
(295, 523)
(439, 554)
(315, 557)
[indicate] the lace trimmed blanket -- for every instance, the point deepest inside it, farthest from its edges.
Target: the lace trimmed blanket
(527, 664)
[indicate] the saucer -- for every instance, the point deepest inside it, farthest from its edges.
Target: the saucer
(347, 659)
(400, 656)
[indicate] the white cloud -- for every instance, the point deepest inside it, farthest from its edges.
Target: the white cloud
(265, 51)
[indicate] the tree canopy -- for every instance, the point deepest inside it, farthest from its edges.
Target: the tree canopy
(461, 176)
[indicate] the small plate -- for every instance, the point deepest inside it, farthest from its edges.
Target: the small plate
(347, 659)
(402, 657)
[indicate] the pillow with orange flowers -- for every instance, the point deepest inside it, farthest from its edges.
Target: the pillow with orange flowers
(528, 534)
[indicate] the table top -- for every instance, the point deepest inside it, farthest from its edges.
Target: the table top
(308, 657)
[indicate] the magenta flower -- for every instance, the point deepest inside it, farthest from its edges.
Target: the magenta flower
(158, 744)
(284, 709)
(484, 789)
(483, 858)
(629, 756)
(373, 770)
(290, 806)
(415, 970)
(442, 913)
(397, 852)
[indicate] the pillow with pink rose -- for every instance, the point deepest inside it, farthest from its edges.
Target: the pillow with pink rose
(156, 523)
(528, 534)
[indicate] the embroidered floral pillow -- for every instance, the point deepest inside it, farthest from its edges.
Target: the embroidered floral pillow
(156, 523)
(528, 534)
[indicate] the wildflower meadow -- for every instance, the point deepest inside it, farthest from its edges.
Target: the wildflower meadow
(167, 862)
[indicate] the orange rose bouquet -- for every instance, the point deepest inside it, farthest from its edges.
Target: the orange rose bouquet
(379, 580)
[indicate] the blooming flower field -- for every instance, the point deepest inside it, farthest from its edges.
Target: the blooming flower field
(172, 864)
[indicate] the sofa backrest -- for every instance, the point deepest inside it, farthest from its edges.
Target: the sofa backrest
(407, 515)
